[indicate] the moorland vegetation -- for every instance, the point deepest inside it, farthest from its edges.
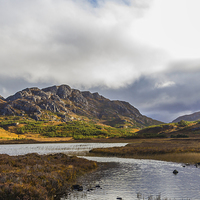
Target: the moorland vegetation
(29, 129)
(178, 142)
(60, 113)
(40, 177)
(21, 129)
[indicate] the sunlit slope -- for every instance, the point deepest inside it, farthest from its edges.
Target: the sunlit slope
(182, 129)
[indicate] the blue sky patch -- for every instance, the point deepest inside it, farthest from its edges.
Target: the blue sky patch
(94, 2)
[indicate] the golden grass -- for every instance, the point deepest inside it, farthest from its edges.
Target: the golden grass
(39, 138)
(191, 158)
(40, 177)
(176, 150)
(9, 135)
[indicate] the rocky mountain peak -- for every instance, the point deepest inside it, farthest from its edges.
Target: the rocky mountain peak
(65, 102)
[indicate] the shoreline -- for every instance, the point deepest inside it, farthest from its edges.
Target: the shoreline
(94, 140)
(62, 140)
(189, 158)
(174, 150)
(182, 150)
(42, 177)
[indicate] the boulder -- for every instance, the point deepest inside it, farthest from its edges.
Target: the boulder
(175, 172)
(78, 98)
(53, 90)
(77, 187)
(64, 91)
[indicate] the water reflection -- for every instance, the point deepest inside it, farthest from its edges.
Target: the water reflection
(47, 148)
(128, 179)
(140, 179)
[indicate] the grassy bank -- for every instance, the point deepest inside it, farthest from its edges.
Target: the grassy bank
(66, 140)
(39, 177)
(176, 150)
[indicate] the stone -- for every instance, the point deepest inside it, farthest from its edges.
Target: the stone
(64, 91)
(77, 187)
(175, 172)
(53, 90)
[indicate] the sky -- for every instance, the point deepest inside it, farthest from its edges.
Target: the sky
(146, 52)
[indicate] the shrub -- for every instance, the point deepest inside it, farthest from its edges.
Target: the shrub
(184, 123)
(179, 136)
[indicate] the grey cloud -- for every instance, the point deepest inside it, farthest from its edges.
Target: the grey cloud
(72, 42)
(9, 86)
(89, 46)
(165, 103)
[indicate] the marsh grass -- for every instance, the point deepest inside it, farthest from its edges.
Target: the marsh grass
(175, 150)
(191, 158)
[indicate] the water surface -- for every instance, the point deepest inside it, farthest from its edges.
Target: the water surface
(122, 177)
(141, 179)
(47, 148)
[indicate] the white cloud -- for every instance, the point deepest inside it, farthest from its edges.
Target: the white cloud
(111, 44)
(172, 25)
(75, 43)
(165, 84)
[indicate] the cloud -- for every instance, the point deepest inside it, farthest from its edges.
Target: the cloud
(75, 42)
(176, 92)
(164, 84)
(142, 51)
(172, 25)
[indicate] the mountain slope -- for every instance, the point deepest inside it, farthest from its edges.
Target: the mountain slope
(192, 117)
(62, 103)
(181, 129)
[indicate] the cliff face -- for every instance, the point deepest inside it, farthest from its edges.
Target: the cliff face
(192, 117)
(65, 102)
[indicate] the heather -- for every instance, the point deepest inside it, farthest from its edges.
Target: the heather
(40, 177)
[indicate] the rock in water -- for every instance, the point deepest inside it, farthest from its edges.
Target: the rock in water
(175, 172)
(77, 187)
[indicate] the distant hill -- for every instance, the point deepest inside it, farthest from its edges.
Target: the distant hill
(62, 103)
(182, 129)
(192, 117)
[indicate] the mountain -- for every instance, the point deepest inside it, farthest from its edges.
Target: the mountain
(62, 103)
(192, 117)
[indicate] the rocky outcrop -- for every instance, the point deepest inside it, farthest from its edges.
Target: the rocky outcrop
(192, 117)
(8, 110)
(64, 101)
(2, 98)
(63, 91)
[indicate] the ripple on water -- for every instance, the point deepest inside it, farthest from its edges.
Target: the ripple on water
(125, 178)
(141, 179)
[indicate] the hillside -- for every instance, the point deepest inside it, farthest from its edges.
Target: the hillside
(182, 129)
(60, 113)
(64, 104)
(192, 117)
